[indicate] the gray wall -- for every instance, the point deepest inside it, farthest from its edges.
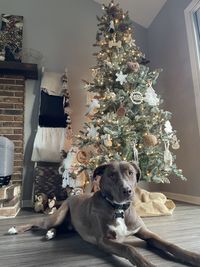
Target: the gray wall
(63, 31)
(168, 49)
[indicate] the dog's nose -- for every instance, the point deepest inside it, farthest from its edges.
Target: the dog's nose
(127, 191)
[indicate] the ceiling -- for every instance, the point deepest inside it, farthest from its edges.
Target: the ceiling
(141, 11)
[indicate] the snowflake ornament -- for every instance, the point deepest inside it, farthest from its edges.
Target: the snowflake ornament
(92, 132)
(168, 127)
(151, 97)
(121, 77)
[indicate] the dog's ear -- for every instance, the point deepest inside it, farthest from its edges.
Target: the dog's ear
(99, 170)
(137, 168)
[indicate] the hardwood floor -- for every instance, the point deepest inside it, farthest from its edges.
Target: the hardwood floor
(30, 250)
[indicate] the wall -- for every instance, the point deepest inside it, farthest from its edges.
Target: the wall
(168, 49)
(63, 32)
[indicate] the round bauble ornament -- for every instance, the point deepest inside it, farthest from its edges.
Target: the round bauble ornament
(82, 157)
(150, 140)
(133, 66)
(121, 111)
(136, 97)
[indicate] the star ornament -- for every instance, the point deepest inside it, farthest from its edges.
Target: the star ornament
(121, 77)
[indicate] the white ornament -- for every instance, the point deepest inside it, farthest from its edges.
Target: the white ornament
(76, 191)
(108, 63)
(92, 132)
(121, 77)
(94, 72)
(175, 142)
(151, 97)
(168, 127)
(107, 140)
(113, 95)
(2, 57)
(130, 40)
(135, 153)
(94, 104)
(168, 159)
(67, 167)
(111, 27)
(137, 117)
(136, 98)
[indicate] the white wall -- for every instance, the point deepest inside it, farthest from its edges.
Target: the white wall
(168, 49)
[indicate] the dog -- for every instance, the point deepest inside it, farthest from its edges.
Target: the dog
(107, 217)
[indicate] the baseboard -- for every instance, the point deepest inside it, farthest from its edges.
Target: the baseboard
(26, 204)
(183, 198)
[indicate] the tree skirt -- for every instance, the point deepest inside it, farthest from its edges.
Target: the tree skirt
(152, 204)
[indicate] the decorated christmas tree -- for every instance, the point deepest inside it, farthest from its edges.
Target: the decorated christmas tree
(125, 118)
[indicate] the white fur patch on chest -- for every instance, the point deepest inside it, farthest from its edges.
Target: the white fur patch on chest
(121, 229)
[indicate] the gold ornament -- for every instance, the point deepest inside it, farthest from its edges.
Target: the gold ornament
(150, 140)
(82, 157)
(121, 111)
(133, 66)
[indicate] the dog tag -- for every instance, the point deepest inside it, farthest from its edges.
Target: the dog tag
(119, 214)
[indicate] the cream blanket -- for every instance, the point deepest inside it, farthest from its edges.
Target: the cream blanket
(152, 204)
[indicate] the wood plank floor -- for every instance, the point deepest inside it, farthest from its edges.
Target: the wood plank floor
(30, 250)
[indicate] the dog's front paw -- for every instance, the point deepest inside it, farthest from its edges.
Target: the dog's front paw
(50, 234)
(12, 231)
(196, 260)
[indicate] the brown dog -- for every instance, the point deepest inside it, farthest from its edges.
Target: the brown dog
(106, 218)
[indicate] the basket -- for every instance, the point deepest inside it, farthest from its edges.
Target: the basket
(49, 181)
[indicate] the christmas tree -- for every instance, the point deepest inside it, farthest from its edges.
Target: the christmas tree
(125, 118)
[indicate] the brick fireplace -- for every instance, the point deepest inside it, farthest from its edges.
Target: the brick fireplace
(12, 98)
(12, 90)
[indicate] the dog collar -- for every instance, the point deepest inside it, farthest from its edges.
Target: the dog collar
(119, 208)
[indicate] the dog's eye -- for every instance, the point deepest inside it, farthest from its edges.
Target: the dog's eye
(130, 172)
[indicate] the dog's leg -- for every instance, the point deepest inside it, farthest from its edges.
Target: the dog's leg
(44, 223)
(124, 251)
(179, 253)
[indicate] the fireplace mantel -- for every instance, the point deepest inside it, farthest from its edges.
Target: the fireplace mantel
(29, 71)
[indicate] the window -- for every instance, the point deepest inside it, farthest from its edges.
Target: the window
(197, 25)
(192, 19)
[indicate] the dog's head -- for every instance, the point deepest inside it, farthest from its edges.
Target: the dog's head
(118, 180)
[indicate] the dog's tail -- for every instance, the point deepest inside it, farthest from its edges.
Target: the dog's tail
(46, 223)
